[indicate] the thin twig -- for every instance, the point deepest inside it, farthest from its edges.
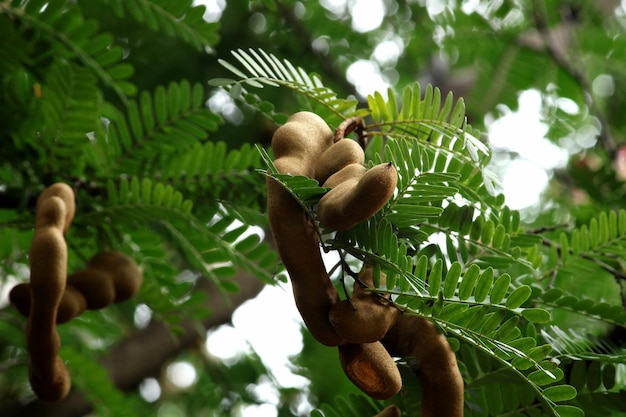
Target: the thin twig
(351, 124)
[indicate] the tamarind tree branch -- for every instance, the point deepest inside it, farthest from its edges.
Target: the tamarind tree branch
(145, 351)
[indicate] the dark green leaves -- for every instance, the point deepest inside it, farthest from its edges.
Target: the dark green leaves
(172, 119)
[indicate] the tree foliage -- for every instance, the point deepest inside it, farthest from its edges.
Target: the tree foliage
(118, 99)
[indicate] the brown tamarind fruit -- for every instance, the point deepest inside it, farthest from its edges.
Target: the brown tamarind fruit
(297, 145)
(109, 277)
(65, 193)
(342, 153)
(350, 173)
(391, 410)
(366, 317)
(370, 367)
(72, 303)
(354, 200)
(48, 268)
(429, 355)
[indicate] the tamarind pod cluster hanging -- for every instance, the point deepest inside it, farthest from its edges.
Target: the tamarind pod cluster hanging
(109, 277)
(433, 361)
(52, 297)
(367, 330)
(48, 374)
(297, 145)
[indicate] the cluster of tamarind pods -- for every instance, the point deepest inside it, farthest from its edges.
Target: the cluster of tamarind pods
(52, 297)
(367, 329)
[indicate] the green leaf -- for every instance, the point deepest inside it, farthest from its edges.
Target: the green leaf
(484, 285)
(560, 393)
(518, 297)
(434, 278)
(452, 278)
(568, 411)
(469, 280)
(536, 315)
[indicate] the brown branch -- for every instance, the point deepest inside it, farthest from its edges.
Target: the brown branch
(144, 352)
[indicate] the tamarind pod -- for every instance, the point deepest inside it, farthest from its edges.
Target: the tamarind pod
(366, 317)
(122, 270)
(362, 321)
(304, 136)
(110, 277)
(95, 286)
(350, 173)
(48, 266)
(72, 303)
(350, 203)
(340, 154)
(370, 367)
(297, 145)
(391, 410)
(54, 388)
(433, 361)
(19, 296)
(65, 193)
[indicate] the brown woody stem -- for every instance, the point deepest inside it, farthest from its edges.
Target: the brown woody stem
(351, 124)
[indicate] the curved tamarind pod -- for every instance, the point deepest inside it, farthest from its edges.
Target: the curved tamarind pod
(72, 303)
(349, 203)
(366, 317)
(391, 410)
(124, 273)
(434, 363)
(109, 277)
(95, 286)
(65, 193)
(304, 137)
(297, 145)
(48, 267)
(339, 155)
(350, 173)
(19, 296)
(370, 367)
